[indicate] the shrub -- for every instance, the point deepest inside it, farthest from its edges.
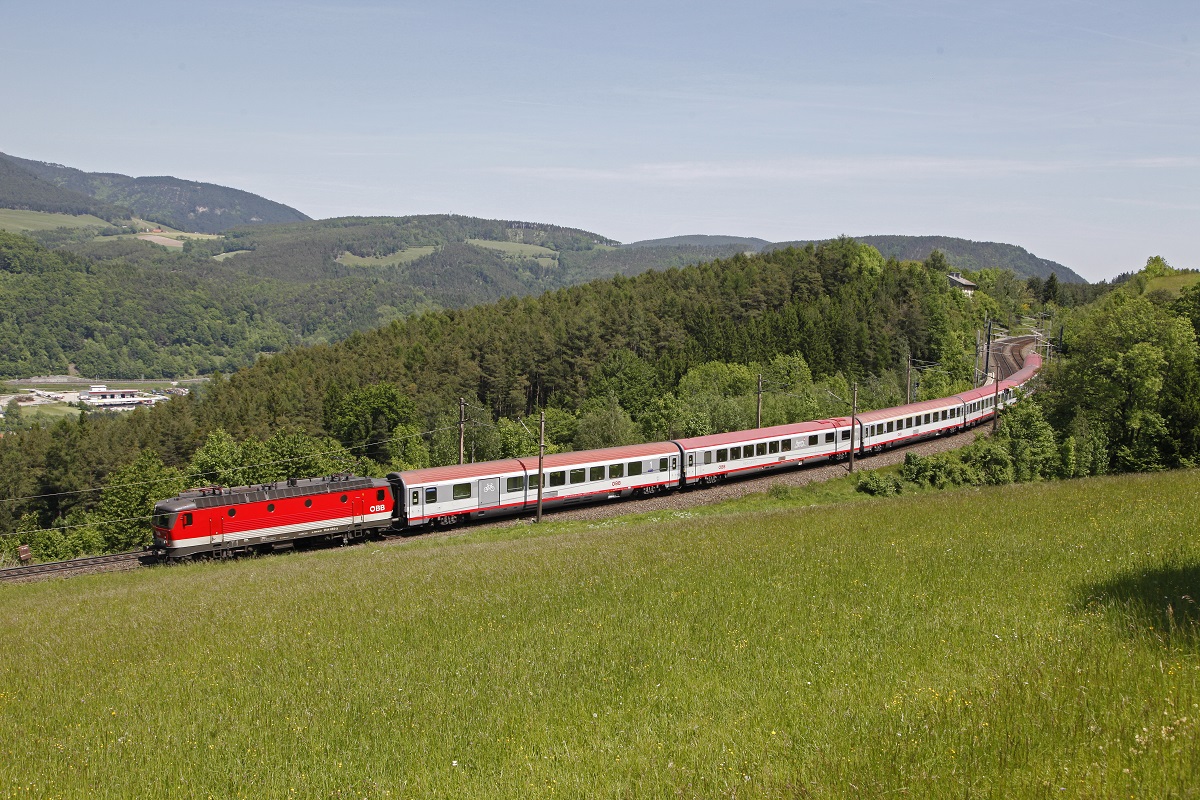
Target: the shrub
(879, 485)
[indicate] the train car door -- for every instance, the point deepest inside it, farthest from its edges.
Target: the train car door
(691, 466)
(416, 507)
(489, 492)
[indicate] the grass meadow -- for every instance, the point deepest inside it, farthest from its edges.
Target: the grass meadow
(1025, 641)
(17, 221)
(404, 256)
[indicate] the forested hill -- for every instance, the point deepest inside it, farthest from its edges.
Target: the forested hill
(964, 254)
(182, 204)
(21, 189)
(661, 354)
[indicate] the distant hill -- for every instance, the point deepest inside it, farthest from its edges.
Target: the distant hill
(21, 189)
(186, 205)
(961, 253)
(701, 240)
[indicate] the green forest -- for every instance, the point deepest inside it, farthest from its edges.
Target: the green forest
(621, 360)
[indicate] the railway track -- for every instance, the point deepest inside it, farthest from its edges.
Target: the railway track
(75, 566)
(1008, 360)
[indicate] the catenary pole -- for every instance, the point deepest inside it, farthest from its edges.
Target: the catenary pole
(758, 411)
(541, 458)
(462, 428)
(853, 420)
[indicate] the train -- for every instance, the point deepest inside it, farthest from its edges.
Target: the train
(218, 521)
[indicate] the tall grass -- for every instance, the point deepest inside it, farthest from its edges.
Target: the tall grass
(1027, 641)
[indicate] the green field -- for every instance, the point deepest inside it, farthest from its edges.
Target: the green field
(516, 249)
(16, 221)
(228, 254)
(401, 257)
(1173, 283)
(1026, 641)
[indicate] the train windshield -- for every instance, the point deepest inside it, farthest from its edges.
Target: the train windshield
(164, 520)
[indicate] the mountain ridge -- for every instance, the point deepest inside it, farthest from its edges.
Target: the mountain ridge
(193, 206)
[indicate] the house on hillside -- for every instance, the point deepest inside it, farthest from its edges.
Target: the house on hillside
(957, 281)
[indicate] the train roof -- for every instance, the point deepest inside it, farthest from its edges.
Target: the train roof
(485, 469)
(215, 496)
(775, 431)
(907, 410)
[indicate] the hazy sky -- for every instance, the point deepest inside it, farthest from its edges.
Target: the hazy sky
(1070, 128)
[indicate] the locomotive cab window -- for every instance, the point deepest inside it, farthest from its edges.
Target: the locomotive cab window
(187, 520)
(578, 475)
(462, 491)
(596, 474)
(379, 494)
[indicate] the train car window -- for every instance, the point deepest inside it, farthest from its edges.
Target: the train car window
(515, 484)
(635, 468)
(533, 482)
(891, 426)
(616, 470)
(596, 474)
(270, 507)
(308, 503)
(926, 419)
(416, 497)
(773, 447)
(945, 414)
(431, 494)
(578, 475)
(829, 437)
(708, 456)
(846, 433)
(233, 512)
(187, 520)
(735, 453)
(462, 491)
(760, 449)
(722, 455)
(558, 478)
(813, 440)
(379, 494)
(786, 445)
(343, 498)
(662, 465)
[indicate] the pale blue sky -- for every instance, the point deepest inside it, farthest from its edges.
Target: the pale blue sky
(1070, 128)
